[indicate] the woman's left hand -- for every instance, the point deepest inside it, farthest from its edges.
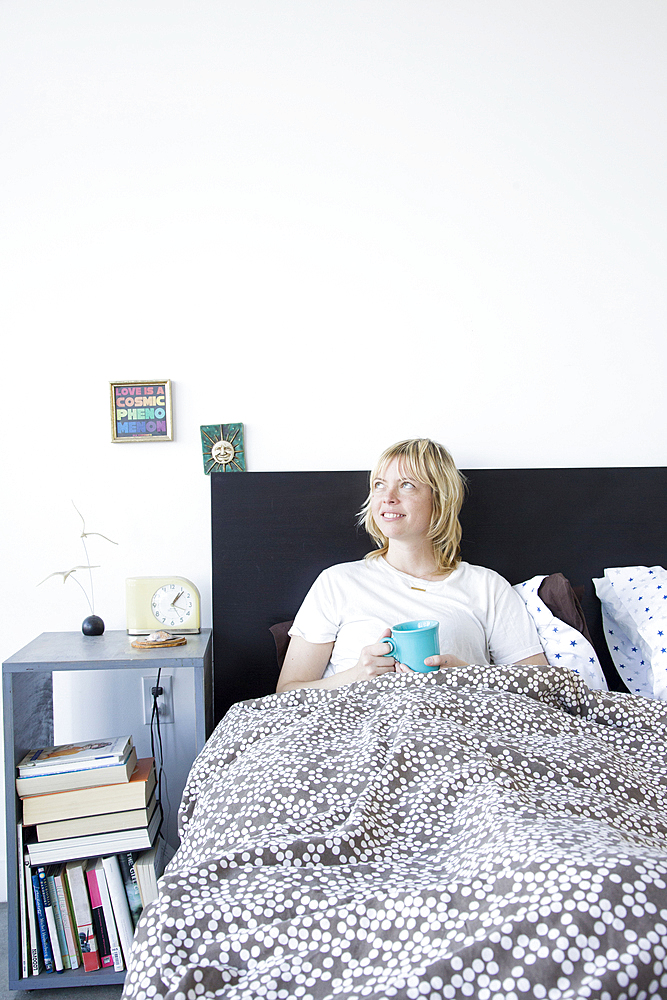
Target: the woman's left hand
(441, 662)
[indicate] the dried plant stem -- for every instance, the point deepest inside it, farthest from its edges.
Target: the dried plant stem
(79, 584)
(91, 602)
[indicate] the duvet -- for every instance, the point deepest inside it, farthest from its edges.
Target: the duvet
(489, 832)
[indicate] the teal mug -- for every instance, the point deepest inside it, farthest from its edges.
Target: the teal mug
(411, 642)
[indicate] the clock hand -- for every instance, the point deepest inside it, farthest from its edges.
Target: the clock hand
(178, 596)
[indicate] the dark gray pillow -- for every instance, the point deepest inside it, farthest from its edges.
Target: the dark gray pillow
(559, 596)
(281, 638)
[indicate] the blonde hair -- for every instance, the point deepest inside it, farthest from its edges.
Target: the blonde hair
(430, 463)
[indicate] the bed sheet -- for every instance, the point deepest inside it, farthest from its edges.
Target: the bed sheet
(489, 832)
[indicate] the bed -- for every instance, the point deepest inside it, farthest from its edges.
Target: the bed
(486, 832)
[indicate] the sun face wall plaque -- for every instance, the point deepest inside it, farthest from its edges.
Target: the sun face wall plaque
(222, 448)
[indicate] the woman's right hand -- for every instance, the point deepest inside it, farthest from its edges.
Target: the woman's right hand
(372, 662)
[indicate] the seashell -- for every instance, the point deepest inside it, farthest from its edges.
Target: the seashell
(160, 636)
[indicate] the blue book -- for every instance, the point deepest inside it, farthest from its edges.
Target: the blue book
(51, 926)
(41, 920)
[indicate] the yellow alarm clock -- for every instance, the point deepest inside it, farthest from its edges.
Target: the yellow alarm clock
(170, 603)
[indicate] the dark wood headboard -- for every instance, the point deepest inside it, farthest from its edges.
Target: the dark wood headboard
(273, 532)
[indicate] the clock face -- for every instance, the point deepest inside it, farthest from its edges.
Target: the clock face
(173, 605)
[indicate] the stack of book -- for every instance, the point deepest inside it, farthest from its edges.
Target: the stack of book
(89, 853)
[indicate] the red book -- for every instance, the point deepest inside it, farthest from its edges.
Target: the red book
(99, 923)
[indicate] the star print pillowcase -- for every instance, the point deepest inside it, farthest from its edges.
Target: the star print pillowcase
(634, 616)
(563, 645)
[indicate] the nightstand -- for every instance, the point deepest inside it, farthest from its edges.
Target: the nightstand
(28, 723)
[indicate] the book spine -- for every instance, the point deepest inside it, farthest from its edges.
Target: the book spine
(99, 923)
(50, 920)
(36, 784)
(41, 922)
(70, 768)
(100, 824)
(84, 921)
(60, 882)
(60, 928)
(50, 767)
(109, 917)
(57, 758)
(121, 907)
(95, 845)
(70, 908)
(150, 866)
(51, 807)
(33, 930)
(146, 867)
(131, 884)
(23, 907)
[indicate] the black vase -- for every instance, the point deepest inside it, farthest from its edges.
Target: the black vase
(92, 625)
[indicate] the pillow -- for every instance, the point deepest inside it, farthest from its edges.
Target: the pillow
(563, 645)
(562, 601)
(281, 638)
(634, 617)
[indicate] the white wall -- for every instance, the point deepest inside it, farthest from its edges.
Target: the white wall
(340, 223)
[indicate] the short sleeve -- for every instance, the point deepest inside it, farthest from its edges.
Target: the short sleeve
(512, 633)
(318, 618)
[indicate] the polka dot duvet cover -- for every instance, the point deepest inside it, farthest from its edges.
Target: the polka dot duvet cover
(497, 833)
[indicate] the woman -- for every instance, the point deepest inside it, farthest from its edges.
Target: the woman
(412, 512)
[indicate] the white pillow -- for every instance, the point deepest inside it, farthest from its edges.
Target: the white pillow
(634, 615)
(563, 645)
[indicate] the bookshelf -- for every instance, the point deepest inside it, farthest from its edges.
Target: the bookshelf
(28, 722)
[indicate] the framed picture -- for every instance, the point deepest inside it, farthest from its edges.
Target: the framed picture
(141, 411)
(223, 449)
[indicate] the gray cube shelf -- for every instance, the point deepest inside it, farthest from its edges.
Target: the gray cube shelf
(28, 722)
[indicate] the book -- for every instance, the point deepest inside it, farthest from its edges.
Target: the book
(119, 902)
(131, 885)
(97, 912)
(95, 845)
(23, 907)
(149, 866)
(55, 906)
(41, 923)
(85, 826)
(102, 798)
(76, 880)
(50, 920)
(37, 783)
(109, 916)
(33, 930)
(75, 756)
(69, 926)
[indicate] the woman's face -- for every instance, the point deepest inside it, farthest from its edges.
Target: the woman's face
(400, 504)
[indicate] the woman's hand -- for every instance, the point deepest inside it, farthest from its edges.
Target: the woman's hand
(372, 662)
(441, 662)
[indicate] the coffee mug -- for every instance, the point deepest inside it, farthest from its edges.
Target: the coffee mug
(412, 642)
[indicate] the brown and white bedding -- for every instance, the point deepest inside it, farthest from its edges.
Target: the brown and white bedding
(489, 832)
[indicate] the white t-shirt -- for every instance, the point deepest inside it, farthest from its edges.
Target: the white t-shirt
(482, 619)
